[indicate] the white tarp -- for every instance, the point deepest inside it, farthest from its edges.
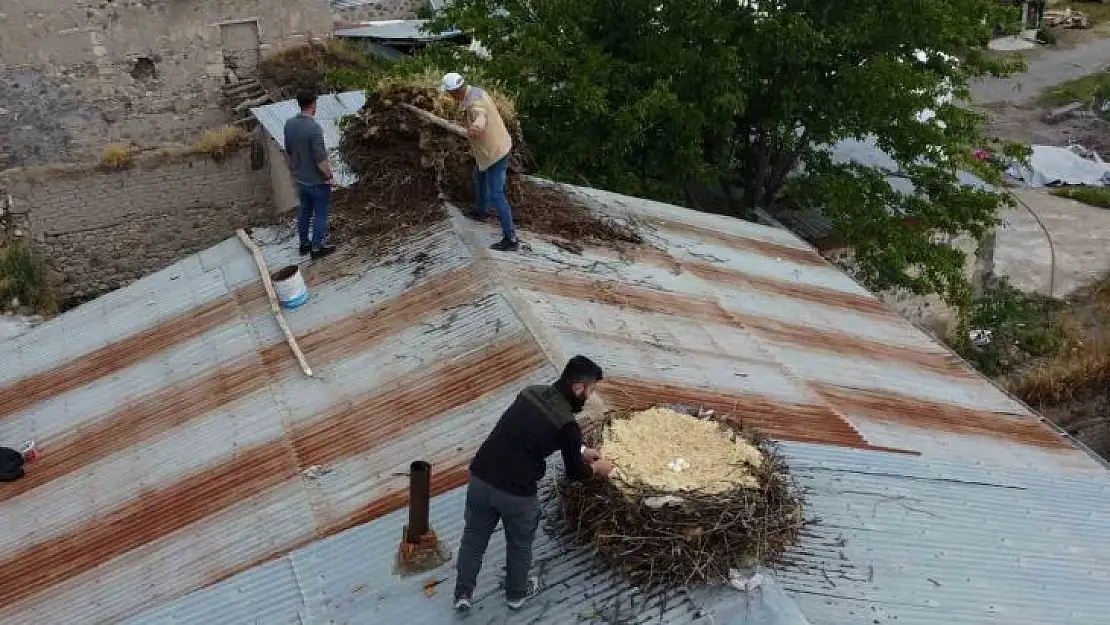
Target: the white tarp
(1054, 166)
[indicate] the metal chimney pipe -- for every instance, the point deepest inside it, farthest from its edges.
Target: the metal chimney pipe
(420, 489)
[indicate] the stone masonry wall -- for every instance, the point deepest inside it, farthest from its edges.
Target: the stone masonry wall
(379, 10)
(77, 74)
(102, 230)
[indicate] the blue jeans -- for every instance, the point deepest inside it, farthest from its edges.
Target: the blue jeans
(490, 185)
(315, 208)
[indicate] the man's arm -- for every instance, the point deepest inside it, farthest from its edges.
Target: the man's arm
(579, 467)
(478, 120)
(320, 155)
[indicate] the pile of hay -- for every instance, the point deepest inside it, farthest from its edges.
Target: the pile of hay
(406, 166)
(306, 66)
(691, 497)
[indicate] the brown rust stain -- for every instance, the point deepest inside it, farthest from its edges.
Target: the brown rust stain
(444, 479)
(162, 410)
(365, 424)
(889, 407)
(748, 244)
(153, 516)
(615, 294)
(843, 344)
(129, 351)
(791, 421)
(718, 274)
(710, 311)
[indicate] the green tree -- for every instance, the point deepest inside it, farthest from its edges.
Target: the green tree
(642, 96)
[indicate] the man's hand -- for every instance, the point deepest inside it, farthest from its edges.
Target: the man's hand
(590, 455)
(473, 132)
(602, 467)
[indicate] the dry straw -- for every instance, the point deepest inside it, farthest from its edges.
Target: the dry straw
(662, 538)
(406, 167)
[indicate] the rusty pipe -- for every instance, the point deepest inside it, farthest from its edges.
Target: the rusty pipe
(420, 489)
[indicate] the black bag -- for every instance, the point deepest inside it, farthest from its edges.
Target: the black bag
(11, 465)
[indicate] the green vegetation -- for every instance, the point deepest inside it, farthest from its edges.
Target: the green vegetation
(25, 279)
(1020, 327)
(1087, 89)
(643, 98)
(1093, 196)
(1046, 36)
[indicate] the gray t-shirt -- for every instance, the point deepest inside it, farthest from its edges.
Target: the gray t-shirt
(304, 143)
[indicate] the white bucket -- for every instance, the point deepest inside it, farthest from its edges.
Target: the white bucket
(290, 287)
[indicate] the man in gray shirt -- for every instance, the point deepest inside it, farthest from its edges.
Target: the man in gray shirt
(308, 160)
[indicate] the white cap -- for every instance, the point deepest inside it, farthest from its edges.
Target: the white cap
(453, 81)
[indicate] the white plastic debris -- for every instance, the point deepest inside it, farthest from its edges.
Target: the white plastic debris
(980, 338)
(315, 471)
(678, 465)
(744, 583)
(665, 500)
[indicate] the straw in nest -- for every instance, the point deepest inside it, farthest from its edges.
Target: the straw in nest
(661, 532)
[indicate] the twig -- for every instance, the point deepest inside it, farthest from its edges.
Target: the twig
(260, 261)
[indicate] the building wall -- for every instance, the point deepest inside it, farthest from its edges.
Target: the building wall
(102, 230)
(378, 10)
(76, 74)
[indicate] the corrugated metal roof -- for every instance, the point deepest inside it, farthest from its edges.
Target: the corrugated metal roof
(330, 108)
(339, 5)
(396, 30)
(179, 433)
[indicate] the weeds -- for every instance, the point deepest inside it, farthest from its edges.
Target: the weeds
(117, 156)
(1086, 89)
(220, 142)
(1019, 327)
(1075, 373)
(25, 280)
(1092, 196)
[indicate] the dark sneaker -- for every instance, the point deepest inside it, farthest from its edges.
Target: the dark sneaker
(462, 604)
(505, 245)
(306, 250)
(530, 591)
(323, 252)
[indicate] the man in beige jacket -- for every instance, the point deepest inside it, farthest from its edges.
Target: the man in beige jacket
(491, 144)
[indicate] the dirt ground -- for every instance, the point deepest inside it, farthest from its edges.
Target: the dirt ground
(1082, 405)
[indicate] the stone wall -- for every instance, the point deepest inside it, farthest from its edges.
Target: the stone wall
(375, 10)
(77, 74)
(930, 312)
(102, 230)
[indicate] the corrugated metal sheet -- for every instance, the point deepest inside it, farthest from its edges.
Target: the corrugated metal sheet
(339, 5)
(177, 431)
(396, 30)
(330, 108)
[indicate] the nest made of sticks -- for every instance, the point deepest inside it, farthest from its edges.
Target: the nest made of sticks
(661, 537)
(406, 167)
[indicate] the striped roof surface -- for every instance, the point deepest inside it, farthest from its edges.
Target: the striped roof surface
(192, 473)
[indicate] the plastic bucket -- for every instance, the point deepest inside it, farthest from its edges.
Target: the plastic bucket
(289, 286)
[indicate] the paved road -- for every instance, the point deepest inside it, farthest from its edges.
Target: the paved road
(1047, 67)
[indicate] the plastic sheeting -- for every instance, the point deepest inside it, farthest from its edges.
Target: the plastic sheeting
(1056, 166)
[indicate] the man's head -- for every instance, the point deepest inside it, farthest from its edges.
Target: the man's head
(306, 99)
(455, 85)
(579, 378)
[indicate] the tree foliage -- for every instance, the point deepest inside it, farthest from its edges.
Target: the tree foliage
(643, 96)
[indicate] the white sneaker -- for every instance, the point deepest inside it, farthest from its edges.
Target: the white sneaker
(530, 591)
(462, 604)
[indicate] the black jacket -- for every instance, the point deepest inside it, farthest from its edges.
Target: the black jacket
(537, 424)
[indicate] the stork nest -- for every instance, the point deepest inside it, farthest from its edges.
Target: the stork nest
(407, 167)
(667, 538)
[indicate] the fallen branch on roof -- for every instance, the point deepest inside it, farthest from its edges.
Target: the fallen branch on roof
(260, 261)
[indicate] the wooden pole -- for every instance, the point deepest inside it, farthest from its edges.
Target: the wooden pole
(274, 306)
(434, 119)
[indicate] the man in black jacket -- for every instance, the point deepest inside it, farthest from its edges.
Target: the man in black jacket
(506, 471)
